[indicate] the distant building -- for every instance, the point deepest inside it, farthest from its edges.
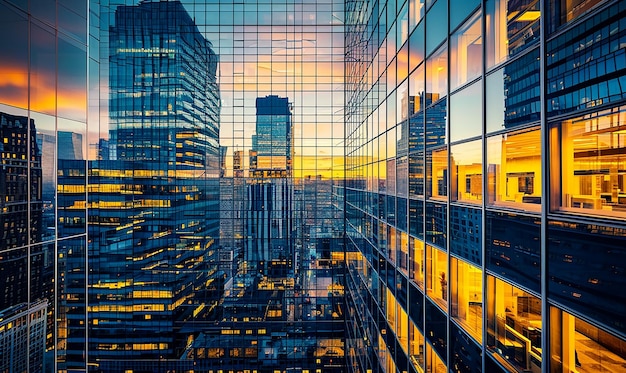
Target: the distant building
(154, 191)
(23, 338)
(269, 241)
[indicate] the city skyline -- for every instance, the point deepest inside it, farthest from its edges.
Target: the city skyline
(312, 186)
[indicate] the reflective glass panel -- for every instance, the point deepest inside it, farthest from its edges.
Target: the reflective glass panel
(466, 295)
(514, 324)
(466, 52)
(466, 113)
(514, 170)
(466, 163)
(592, 165)
(511, 27)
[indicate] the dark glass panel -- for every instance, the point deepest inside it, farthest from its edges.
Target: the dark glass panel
(466, 233)
(14, 47)
(513, 247)
(416, 306)
(436, 224)
(586, 271)
(416, 214)
(465, 354)
(436, 331)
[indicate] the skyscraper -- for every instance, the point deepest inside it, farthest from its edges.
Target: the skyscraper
(501, 256)
(269, 244)
(483, 200)
(153, 206)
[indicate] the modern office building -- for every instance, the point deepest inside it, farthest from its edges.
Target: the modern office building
(153, 203)
(23, 337)
(506, 251)
(483, 196)
(269, 214)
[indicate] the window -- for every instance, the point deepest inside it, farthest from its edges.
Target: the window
(576, 345)
(417, 262)
(511, 26)
(514, 170)
(466, 294)
(591, 163)
(466, 52)
(514, 330)
(437, 276)
(417, 346)
(466, 163)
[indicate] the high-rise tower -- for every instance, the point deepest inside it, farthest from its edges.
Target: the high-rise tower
(154, 201)
(269, 214)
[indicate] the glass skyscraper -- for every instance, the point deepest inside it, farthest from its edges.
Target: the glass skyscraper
(501, 255)
(312, 186)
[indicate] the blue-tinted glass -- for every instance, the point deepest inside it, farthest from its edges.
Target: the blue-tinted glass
(436, 25)
(416, 47)
(416, 306)
(461, 9)
(466, 113)
(586, 82)
(584, 270)
(465, 353)
(513, 247)
(402, 218)
(466, 233)
(436, 224)
(521, 87)
(436, 331)
(416, 213)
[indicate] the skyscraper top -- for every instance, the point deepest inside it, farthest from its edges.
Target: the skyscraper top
(273, 105)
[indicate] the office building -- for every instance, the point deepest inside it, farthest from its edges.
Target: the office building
(153, 202)
(481, 183)
(269, 222)
(502, 254)
(23, 337)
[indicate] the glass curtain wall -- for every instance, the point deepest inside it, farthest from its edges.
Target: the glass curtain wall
(510, 115)
(169, 186)
(228, 118)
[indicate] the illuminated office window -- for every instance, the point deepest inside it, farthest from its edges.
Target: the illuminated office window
(434, 364)
(416, 351)
(514, 170)
(576, 345)
(514, 325)
(437, 276)
(590, 164)
(466, 163)
(417, 261)
(466, 295)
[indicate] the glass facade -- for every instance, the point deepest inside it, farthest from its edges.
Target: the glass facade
(513, 170)
(312, 186)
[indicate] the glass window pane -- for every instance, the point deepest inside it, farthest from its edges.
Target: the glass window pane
(511, 27)
(42, 70)
(467, 162)
(436, 25)
(514, 325)
(460, 9)
(466, 113)
(466, 294)
(495, 101)
(592, 164)
(437, 75)
(514, 170)
(466, 52)
(14, 47)
(72, 81)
